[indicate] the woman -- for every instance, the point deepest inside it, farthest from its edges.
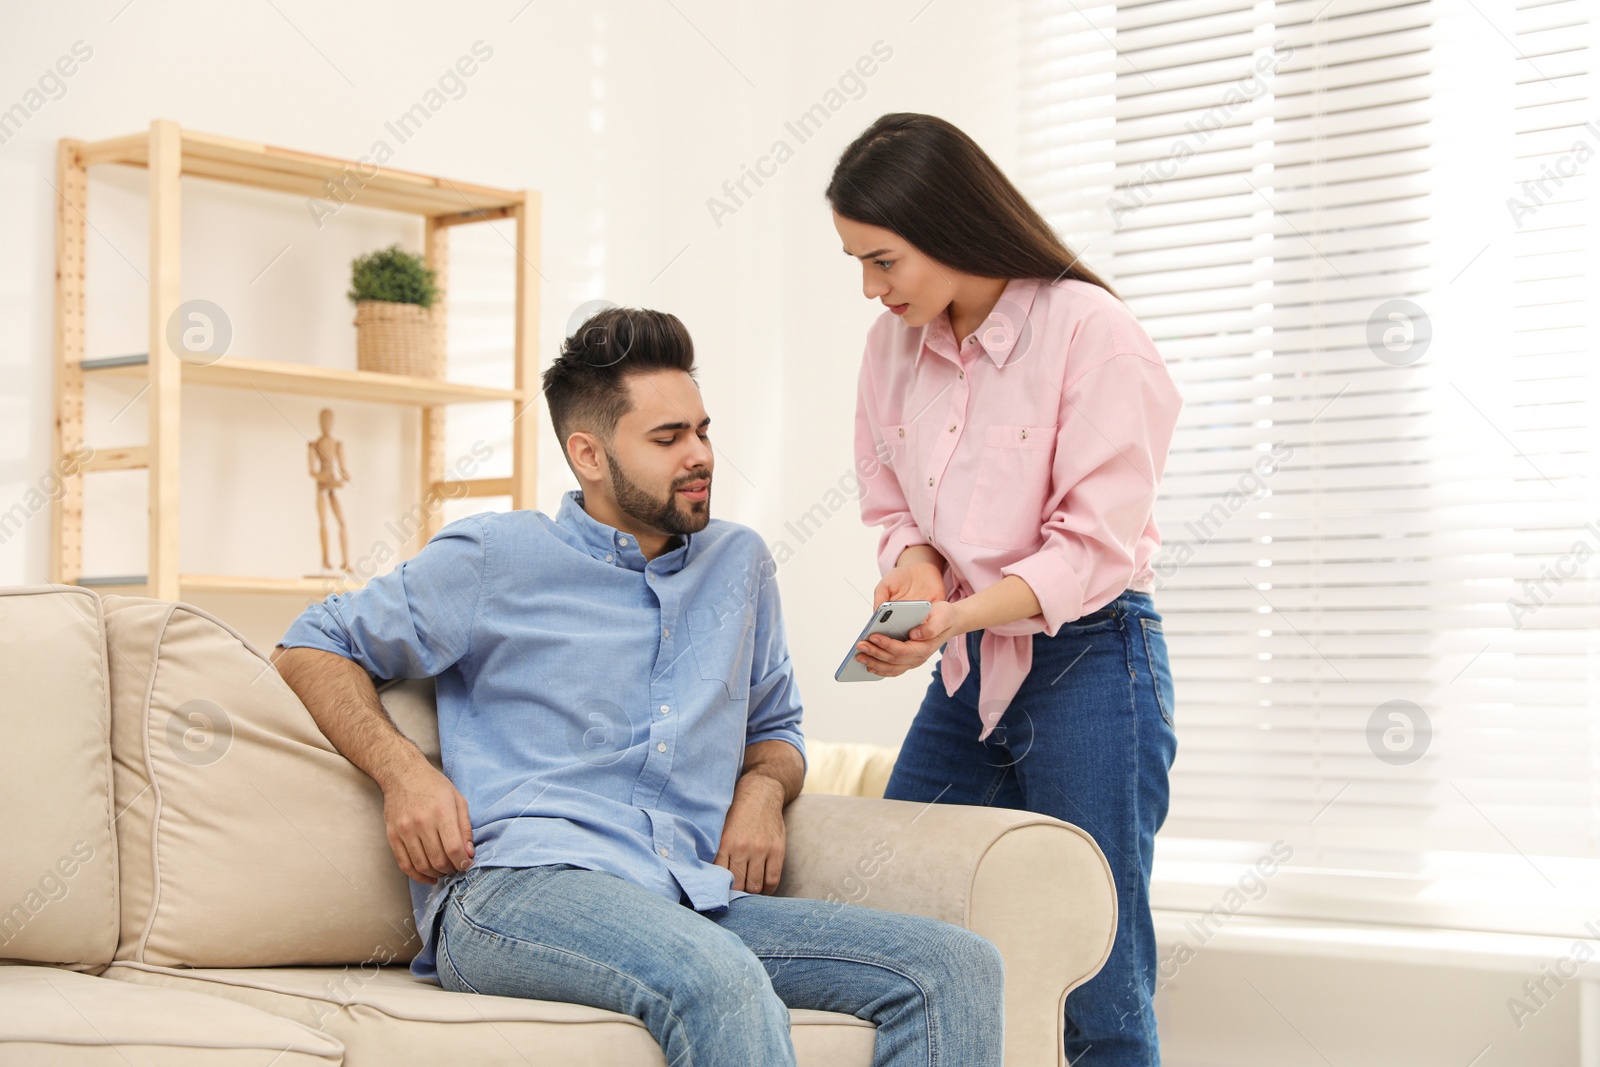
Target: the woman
(1023, 418)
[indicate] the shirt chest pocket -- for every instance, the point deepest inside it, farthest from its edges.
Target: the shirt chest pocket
(896, 451)
(1014, 469)
(724, 644)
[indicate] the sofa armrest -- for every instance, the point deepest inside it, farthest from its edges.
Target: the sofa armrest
(1039, 888)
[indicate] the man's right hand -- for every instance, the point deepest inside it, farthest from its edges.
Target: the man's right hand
(425, 818)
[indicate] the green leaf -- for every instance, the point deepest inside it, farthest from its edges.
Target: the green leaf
(394, 275)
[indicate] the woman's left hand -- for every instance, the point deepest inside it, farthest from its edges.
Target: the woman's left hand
(888, 658)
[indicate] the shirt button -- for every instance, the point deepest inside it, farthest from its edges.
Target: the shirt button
(1024, 435)
(902, 431)
(952, 427)
(665, 709)
(665, 852)
(623, 541)
(930, 481)
(961, 374)
(609, 558)
(661, 746)
(665, 632)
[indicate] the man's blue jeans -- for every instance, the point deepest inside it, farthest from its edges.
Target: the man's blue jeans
(715, 989)
(1087, 739)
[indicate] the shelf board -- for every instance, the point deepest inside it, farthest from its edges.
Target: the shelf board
(227, 583)
(272, 376)
(307, 174)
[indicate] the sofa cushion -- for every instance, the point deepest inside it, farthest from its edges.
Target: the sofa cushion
(55, 1017)
(58, 882)
(247, 839)
(384, 1015)
(848, 768)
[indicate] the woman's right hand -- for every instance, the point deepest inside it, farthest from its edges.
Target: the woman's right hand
(919, 575)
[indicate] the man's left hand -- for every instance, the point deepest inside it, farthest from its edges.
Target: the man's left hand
(753, 835)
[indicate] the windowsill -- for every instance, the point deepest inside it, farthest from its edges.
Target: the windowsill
(1424, 946)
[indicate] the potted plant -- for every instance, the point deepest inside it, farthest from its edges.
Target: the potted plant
(393, 291)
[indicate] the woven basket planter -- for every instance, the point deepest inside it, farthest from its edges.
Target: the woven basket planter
(398, 339)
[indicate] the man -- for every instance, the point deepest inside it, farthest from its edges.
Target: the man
(620, 731)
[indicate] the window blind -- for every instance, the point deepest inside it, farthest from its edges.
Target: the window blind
(1363, 236)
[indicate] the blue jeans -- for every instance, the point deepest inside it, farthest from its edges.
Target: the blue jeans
(715, 989)
(1089, 740)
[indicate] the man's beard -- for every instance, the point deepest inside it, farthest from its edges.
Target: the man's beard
(664, 515)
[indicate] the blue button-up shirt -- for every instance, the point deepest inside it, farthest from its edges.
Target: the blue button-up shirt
(594, 707)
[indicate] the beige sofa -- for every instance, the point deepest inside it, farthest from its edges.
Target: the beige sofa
(193, 875)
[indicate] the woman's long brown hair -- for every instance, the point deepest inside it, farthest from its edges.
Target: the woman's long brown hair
(922, 178)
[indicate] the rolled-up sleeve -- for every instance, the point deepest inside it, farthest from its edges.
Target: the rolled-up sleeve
(775, 707)
(415, 621)
(1116, 424)
(883, 503)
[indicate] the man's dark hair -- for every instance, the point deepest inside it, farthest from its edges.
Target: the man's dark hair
(586, 387)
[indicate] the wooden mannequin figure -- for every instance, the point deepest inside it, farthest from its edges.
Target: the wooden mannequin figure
(325, 462)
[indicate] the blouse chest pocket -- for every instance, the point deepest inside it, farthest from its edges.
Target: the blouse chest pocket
(899, 453)
(896, 450)
(724, 645)
(1013, 480)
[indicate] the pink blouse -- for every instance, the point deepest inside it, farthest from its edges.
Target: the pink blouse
(1033, 448)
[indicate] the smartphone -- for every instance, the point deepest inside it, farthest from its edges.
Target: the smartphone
(893, 618)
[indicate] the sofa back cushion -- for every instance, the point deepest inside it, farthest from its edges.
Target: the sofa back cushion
(247, 839)
(58, 881)
(848, 768)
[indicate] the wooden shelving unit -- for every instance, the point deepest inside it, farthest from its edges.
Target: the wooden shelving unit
(169, 152)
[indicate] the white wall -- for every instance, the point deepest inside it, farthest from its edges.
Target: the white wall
(1228, 1009)
(628, 116)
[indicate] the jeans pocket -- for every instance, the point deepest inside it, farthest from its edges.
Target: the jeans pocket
(481, 885)
(481, 894)
(1106, 618)
(1155, 651)
(462, 887)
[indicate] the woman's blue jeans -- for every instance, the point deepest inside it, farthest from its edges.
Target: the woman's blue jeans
(715, 989)
(1089, 740)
